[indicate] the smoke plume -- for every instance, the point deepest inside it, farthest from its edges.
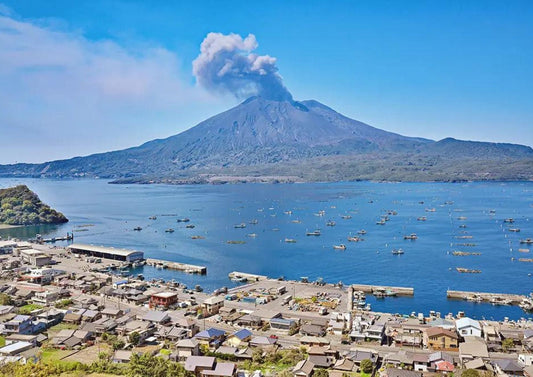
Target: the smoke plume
(227, 64)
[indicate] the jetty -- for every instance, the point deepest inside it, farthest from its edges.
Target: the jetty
(399, 291)
(189, 268)
(494, 298)
(246, 276)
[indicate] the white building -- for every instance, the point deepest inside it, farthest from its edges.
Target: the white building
(468, 327)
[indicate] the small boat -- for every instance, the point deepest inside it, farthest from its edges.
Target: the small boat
(527, 241)
(184, 220)
(462, 226)
(467, 270)
(240, 226)
(152, 218)
(140, 277)
(397, 252)
(412, 236)
(381, 222)
(422, 218)
(288, 212)
(509, 220)
(331, 223)
(461, 218)
(254, 222)
(314, 233)
(137, 228)
(339, 247)
(235, 242)
(190, 226)
(355, 239)
(197, 237)
(296, 221)
(516, 230)
(290, 240)
(362, 231)
(346, 217)
(431, 210)
(169, 230)
(252, 235)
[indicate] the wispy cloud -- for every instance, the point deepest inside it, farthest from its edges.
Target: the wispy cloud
(57, 85)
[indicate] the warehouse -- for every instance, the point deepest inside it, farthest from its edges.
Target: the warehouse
(107, 252)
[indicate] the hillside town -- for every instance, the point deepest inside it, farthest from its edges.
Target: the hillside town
(66, 304)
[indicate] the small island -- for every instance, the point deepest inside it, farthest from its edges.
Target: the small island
(21, 206)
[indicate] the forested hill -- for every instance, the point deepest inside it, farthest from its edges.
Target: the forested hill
(21, 206)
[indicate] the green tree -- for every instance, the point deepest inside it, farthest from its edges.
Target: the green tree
(320, 372)
(470, 373)
(507, 344)
(134, 338)
(5, 299)
(147, 365)
(366, 366)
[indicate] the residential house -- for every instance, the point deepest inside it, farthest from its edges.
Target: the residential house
(163, 299)
(212, 337)
(473, 349)
(197, 364)
(508, 367)
(21, 324)
(304, 368)
(212, 305)
(262, 341)
(186, 348)
(156, 317)
(220, 370)
(395, 372)
(468, 327)
(437, 338)
(239, 338)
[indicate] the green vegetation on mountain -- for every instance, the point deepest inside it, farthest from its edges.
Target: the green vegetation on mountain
(20, 206)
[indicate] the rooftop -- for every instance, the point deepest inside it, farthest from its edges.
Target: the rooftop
(103, 249)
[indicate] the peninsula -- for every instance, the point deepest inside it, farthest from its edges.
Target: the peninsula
(21, 206)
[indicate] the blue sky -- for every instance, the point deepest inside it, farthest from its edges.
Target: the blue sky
(103, 75)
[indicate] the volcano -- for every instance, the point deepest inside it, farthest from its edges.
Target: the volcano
(305, 140)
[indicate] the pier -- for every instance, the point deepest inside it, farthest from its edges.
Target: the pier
(399, 291)
(189, 268)
(494, 298)
(245, 276)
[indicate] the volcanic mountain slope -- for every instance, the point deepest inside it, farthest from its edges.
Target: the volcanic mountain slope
(262, 136)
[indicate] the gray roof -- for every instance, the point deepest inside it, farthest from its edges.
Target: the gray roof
(508, 365)
(155, 316)
(193, 362)
(394, 372)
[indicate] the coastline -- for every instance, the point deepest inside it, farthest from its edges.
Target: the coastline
(7, 226)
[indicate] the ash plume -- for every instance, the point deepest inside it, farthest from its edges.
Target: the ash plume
(227, 64)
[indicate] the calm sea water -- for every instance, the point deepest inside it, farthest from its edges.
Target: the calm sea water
(288, 211)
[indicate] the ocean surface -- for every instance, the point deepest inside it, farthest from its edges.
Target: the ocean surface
(105, 214)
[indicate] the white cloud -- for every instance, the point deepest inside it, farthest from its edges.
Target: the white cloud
(101, 94)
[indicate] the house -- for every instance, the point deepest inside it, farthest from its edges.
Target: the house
(33, 339)
(437, 338)
(508, 367)
(241, 353)
(121, 356)
(525, 358)
(443, 323)
(420, 361)
(156, 317)
(282, 323)
(468, 327)
(212, 305)
(35, 258)
(249, 320)
(188, 324)
(15, 348)
(304, 368)
(21, 324)
(197, 364)
(394, 372)
(357, 356)
(220, 370)
(345, 365)
(312, 330)
(211, 336)
(109, 312)
(439, 357)
(72, 318)
(186, 348)
(163, 299)
(471, 350)
(398, 358)
(239, 337)
(262, 341)
(45, 298)
(322, 361)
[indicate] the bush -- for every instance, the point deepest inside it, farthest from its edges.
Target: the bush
(366, 366)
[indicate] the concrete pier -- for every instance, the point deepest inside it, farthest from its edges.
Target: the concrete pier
(248, 277)
(496, 298)
(400, 291)
(189, 268)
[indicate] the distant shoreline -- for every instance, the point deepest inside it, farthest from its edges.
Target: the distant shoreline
(7, 226)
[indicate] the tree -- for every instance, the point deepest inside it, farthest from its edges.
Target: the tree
(366, 366)
(320, 372)
(5, 299)
(470, 373)
(134, 338)
(507, 344)
(147, 365)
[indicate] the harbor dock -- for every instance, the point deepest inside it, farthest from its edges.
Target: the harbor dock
(495, 298)
(189, 268)
(399, 291)
(245, 276)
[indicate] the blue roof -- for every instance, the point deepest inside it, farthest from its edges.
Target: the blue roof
(210, 333)
(282, 321)
(242, 334)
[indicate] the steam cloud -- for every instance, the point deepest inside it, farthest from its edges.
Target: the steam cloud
(227, 64)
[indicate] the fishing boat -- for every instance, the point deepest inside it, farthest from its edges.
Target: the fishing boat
(431, 210)
(362, 231)
(339, 247)
(254, 222)
(411, 236)
(197, 237)
(290, 240)
(190, 226)
(397, 252)
(184, 220)
(252, 235)
(152, 218)
(137, 228)
(296, 221)
(169, 230)
(381, 222)
(235, 242)
(467, 270)
(331, 223)
(509, 220)
(315, 233)
(240, 226)
(346, 217)
(516, 230)
(355, 239)
(527, 241)
(422, 218)
(462, 226)
(287, 212)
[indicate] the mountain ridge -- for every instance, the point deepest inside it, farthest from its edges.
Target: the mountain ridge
(259, 136)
